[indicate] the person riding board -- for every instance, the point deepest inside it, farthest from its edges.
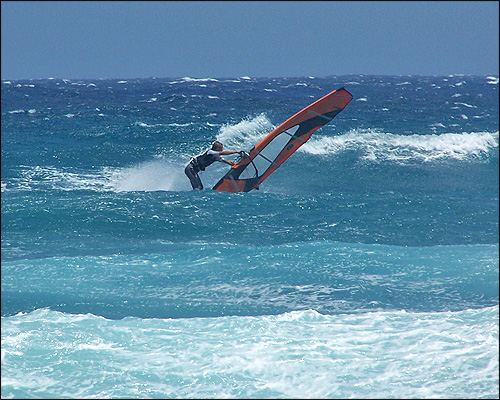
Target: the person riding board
(201, 161)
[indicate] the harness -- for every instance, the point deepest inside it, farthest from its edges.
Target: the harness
(202, 161)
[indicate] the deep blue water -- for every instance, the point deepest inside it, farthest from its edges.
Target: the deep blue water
(366, 266)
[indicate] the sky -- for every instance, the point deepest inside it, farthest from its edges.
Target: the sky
(224, 39)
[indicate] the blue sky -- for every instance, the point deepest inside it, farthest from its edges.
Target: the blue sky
(114, 39)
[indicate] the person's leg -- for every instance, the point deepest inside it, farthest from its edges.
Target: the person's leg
(193, 177)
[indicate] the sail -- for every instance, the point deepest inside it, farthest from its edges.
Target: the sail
(272, 151)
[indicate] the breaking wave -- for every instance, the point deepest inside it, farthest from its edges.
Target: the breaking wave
(373, 145)
(379, 146)
(164, 173)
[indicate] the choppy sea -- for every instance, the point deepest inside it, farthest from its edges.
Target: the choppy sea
(366, 266)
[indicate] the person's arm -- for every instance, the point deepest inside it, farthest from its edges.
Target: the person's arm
(228, 152)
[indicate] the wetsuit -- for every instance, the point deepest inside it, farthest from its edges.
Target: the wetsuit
(199, 163)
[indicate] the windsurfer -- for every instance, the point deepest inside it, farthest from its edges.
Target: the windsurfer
(201, 161)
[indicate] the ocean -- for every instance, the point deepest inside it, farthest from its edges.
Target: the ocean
(366, 266)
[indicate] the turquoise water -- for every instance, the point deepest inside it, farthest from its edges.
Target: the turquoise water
(366, 266)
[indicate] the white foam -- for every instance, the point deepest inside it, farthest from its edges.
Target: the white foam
(144, 125)
(246, 133)
(379, 146)
(189, 79)
(466, 105)
(160, 174)
(301, 354)
(150, 176)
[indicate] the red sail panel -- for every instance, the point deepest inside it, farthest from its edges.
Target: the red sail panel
(282, 142)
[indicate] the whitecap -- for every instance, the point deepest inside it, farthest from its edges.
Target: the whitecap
(176, 124)
(144, 125)
(492, 80)
(189, 79)
(466, 105)
(378, 146)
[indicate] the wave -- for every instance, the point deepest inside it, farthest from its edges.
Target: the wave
(188, 79)
(377, 146)
(189, 279)
(373, 145)
(166, 172)
(492, 80)
(301, 354)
